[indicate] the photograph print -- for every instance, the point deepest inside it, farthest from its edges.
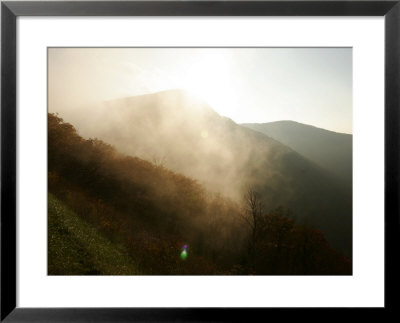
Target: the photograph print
(199, 161)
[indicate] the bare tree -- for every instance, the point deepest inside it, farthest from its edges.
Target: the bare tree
(252, 215)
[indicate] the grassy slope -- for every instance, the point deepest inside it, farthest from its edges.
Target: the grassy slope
(76, 248)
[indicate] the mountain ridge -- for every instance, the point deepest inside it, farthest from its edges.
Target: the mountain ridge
(329, 149)
(287, 121)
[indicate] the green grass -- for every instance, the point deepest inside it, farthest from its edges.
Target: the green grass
(77, 248)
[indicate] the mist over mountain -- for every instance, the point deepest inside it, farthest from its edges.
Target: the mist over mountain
(177, 131)
(331, 150)
(113, 214)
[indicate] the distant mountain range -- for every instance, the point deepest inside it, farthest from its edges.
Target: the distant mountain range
(331, 150)
(183, 134)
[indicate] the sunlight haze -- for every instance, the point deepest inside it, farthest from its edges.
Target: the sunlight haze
(200, 161)
(248, 85)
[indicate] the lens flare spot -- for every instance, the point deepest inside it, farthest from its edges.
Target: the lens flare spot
(204, 134)
(184, 254)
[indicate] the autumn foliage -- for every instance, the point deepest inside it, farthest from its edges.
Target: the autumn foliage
(154, 212)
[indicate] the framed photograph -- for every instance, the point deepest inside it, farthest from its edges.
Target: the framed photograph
(197, 161)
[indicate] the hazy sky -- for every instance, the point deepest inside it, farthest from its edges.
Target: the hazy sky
(308, 85)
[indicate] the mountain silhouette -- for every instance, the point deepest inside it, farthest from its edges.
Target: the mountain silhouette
(331, 150)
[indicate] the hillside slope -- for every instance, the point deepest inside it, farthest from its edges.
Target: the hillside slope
(331, 150)
(185, 135)
(154, 213)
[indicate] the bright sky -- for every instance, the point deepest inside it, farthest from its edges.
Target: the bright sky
(307, 85)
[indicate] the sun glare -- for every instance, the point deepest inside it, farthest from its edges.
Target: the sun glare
(209, 78)
(204, 134)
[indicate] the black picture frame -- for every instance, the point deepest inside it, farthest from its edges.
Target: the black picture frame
(10, 10)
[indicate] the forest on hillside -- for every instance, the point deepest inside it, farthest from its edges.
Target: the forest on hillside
(148, 220)
(186, 135)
